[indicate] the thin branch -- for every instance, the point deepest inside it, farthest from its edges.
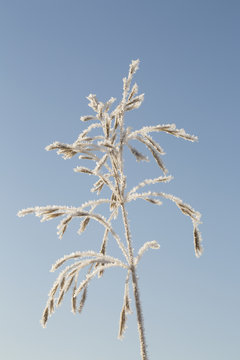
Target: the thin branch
(148, 245)
(148, 182)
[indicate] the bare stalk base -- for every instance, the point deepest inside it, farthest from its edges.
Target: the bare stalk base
(142, 339)
(141, 332)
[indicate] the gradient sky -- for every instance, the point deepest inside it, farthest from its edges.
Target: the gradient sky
(53, 54)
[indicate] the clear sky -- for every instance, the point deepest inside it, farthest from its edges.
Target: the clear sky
(53, 54)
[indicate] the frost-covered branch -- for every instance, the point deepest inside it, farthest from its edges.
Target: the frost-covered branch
(102, 145)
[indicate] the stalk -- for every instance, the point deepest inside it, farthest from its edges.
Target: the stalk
(141, 332)
(142, 339)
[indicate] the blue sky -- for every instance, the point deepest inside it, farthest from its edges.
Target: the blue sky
(53, 54)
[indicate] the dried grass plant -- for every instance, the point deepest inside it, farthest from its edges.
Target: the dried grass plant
(105, 151)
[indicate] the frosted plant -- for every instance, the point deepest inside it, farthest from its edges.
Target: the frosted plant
(105, 151)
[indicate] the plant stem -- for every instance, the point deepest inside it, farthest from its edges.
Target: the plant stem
(143, 346)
